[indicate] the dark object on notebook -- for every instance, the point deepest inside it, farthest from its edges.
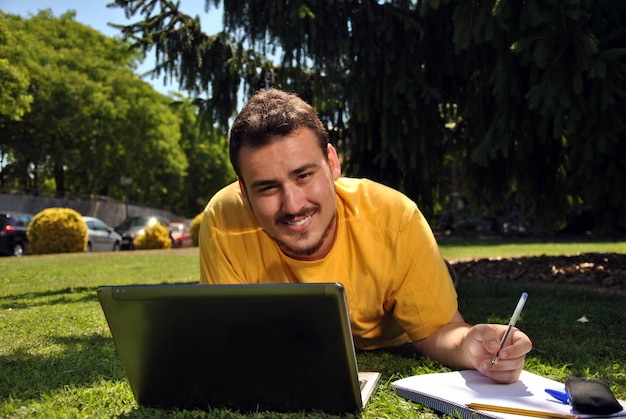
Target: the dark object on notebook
(591, 396)
(280, 347)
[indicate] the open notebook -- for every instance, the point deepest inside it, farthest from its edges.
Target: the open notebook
(278, 347)
(452, 392)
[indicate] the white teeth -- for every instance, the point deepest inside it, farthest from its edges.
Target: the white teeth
(299, 223)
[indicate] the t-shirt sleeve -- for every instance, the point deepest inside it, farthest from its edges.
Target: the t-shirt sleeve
(217, 265)
(424, 298)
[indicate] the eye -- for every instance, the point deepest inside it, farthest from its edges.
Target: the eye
(305, 176)
(266, 189)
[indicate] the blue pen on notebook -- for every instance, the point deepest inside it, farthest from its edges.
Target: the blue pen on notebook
(561, 396)
(509, 329)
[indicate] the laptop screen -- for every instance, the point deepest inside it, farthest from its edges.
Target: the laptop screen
(279, 347)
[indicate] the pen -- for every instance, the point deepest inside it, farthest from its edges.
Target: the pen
(514, 317)
(521, 412)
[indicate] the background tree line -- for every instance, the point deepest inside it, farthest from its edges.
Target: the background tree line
(505, 108)
(76, 119)
(508, 106)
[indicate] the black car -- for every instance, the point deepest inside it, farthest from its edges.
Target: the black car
(135, 226)
(13, 227)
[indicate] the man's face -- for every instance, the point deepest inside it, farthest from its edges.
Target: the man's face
(289, 187)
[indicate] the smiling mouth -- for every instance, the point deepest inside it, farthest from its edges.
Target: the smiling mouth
(301, 244)
(298, 222)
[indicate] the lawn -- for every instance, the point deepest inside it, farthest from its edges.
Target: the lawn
(57, 358)
(454, 248)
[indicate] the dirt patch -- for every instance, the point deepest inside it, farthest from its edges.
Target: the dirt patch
(601, 271)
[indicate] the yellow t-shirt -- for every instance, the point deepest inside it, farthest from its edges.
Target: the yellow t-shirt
(397, 285)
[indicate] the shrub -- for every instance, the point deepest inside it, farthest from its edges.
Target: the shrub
(154, 237)
(57, 230)
(194, 228)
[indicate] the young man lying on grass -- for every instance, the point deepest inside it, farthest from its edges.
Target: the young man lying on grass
(291, 217)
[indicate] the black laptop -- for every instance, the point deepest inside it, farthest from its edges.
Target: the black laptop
(277, 347)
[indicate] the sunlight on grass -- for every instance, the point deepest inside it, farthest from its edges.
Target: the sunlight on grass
(455, 249)
(58, 359)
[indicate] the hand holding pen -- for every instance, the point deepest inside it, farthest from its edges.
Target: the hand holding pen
(509, 329)
(498, 351)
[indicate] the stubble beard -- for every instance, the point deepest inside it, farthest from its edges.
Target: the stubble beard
(296, 252)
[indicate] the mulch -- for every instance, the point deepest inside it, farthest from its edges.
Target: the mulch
(601, 271)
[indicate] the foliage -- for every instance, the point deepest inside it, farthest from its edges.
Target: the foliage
(57, 230)
(156, 236)
(67, 64)
(206, 148)
(497, 101)
(75, 119)
(60, 361)
(194, 228)
(15, 99)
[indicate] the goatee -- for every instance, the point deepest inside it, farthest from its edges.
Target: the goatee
(301, 252)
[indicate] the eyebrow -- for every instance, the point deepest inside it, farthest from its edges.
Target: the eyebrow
(295, 172)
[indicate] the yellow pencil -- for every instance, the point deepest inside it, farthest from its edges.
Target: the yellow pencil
(521, 412)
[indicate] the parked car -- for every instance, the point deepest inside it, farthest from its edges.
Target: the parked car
(102, 237)
(181, 236)
(135, 226)
(13, 228)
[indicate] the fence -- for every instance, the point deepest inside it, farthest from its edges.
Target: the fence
(110, 211)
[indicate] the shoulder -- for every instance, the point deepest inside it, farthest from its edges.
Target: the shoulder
(363, 196)
(228, 196)
(227, 208)
(366, 188)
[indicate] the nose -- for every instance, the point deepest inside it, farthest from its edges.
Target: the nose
(292, 199)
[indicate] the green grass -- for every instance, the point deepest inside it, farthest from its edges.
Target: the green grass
(453, 248)
(57, 358)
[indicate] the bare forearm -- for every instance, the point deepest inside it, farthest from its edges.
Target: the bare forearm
(447, 345)
(460, 345)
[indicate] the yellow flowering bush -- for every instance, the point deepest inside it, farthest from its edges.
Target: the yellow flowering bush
(194, 228)
(57, 230)
(154, 237)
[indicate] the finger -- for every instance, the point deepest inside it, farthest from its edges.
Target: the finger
(487, 336)
(505, 377)
(519, 346)
(505, 371)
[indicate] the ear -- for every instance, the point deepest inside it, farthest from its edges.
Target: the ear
(333, 162)
(244, 194)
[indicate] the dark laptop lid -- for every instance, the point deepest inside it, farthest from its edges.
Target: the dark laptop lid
(280, 347)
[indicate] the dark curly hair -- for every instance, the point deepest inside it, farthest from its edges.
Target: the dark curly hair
(270, 114)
